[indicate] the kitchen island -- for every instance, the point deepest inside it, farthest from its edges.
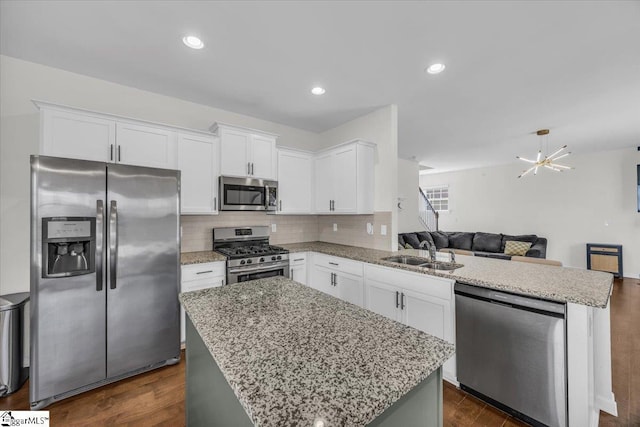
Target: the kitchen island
(273, 352)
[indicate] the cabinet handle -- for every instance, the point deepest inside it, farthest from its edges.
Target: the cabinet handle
(397, 302)
(111, 152)
(119, 153)
(251, 168)
(215, 203)
(221, 282)
(291, 274)
(334, 263)
(248, 168)
(298, 259)
(203, 272)
(329, 204)
(280, 204)
(402, 301)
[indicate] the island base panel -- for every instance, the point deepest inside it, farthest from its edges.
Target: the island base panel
(210, 401)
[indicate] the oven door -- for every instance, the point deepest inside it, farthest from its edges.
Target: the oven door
(242, 194)
(243, 274)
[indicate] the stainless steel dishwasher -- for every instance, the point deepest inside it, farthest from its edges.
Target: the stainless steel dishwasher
(511, 353)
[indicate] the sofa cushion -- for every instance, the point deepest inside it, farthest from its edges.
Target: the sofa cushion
(441, 239)
(531, 238)
(411, 239)
(461, 240)
(425, 235)
(513, 247)
(487, 242)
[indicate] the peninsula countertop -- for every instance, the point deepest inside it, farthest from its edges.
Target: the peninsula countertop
(562, 284)
(585, 287)
(293, 355)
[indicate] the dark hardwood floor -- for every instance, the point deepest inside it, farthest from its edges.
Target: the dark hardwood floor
(157, 398)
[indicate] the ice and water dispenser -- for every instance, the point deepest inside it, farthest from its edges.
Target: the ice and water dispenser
(68, 246)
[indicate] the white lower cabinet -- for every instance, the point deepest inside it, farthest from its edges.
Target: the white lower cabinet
(339, 277)
(298, 267)
(200, 276)
(417, 300)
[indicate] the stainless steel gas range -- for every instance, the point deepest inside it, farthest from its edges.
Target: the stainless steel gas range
(249, 254)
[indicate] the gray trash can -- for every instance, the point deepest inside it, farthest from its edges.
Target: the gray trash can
(12, 372)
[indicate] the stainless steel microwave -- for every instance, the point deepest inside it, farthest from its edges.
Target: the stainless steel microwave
(248, 194)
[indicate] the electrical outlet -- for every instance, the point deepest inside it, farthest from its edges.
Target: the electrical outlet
(335, 227)
(369, 228)
(274, 228)
(383, 230)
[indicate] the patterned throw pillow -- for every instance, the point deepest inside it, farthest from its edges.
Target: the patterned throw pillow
(513, 247)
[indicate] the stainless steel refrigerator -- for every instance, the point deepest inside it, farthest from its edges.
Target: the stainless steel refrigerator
(105, 251)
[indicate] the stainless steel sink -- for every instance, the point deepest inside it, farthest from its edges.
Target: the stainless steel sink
(423, 262)
(448, 266)
(406, 260)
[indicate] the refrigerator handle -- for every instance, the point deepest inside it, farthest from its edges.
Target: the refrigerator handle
(113, 243)
(99, 242)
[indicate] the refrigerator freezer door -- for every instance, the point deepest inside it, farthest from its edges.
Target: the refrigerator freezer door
(143, 317)
(68, 313)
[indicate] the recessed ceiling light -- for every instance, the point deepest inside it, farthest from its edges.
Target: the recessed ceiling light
(318, 90)
(193, 42)
(435, 68)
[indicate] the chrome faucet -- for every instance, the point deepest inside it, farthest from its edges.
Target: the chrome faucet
(431, 248)
(453, 256)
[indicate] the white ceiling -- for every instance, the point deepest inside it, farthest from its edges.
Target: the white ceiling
(512, 67)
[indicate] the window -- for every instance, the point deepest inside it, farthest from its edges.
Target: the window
(439, 197)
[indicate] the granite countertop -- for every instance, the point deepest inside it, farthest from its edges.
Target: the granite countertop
(202, 257)
(294, 355)
(585, 287)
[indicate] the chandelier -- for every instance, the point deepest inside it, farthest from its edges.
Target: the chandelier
(549, 161)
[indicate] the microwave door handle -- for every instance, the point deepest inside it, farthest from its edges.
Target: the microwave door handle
(113, 244)
(267, 195)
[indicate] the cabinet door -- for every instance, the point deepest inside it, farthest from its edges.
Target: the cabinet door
(294, 182)
(146, 146)
(346, 180)
(77, 136)
(382, 298)
(234, 152)
(428, 314)
(324, 178)
(263, 151)
(350, 288)
(299, 273)
(198, 164)
(321, 280)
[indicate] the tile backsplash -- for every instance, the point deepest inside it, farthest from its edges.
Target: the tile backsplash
(352, 230)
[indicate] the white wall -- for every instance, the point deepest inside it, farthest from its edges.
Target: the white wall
(594, 203)
(21, 81)
(408, 183)
(381, 127)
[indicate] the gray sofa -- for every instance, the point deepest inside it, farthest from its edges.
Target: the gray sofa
(489, 245)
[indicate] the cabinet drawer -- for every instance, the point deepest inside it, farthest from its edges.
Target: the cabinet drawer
(203, 271)
(339, 264)
(299, 258)
(429, 285)
(196, 285)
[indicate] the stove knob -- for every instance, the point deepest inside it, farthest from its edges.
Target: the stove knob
(242, 262)
(273, 258)
(279, 257)
(249, 261)
(261, 259)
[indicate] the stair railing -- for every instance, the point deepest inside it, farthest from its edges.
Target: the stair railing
(426, 214)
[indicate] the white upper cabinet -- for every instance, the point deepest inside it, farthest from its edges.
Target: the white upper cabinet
(246, 152)
(79, 134)
(344, 179)
(198, 162)
(295, 172)
(76, 136)
(143, 145)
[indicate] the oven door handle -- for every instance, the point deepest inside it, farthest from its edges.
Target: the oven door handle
(260, 268)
